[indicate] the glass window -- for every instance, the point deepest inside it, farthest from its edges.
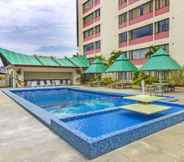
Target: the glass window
(123, 37)
(162, 26)
(141, 32)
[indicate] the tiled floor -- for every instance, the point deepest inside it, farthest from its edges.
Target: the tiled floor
(25, 139)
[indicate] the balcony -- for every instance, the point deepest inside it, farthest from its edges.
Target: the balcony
(141, 40)
(138, 61)
(123, 5)
(162, 10)
(91, 37)
(90, 22)
(141, 18)
(89, 52)
(123, 44)
(161, 35)
(122, 25)
(98, 50)
(132, 1)
(95, 4)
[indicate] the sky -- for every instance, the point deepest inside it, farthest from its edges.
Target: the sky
(43, 27)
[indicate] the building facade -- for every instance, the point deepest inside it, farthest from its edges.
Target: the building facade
(131, 26)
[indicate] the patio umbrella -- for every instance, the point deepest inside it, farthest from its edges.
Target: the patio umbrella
(121, 65)
(97, 67)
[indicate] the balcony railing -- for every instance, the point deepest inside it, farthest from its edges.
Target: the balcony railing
(138, 61)
(92, 37)
(132, 1)
(122, 25)
(95, 4)
(141, 18)
(90, 22)
(90, 52)
(123, 44)
(162, 10)
(122, 5)
(161, 35)
(141, 40)
(98, 50)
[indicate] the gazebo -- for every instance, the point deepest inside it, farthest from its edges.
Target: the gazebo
(122, 66)
(97, 67)
(161, 62)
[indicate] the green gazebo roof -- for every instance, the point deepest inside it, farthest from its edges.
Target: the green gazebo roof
(96, 67)
(122, 64)
(161, 61)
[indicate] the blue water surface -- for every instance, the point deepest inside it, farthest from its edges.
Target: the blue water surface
(104, 123)
(67, 102)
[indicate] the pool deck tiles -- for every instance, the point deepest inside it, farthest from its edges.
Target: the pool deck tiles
(25, 139)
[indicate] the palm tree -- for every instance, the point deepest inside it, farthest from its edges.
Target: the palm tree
(114, 56)
(151, 51)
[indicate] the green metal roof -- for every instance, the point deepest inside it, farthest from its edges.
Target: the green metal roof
(96, 67)
(64, 62)
(80, 61)
(161, 61)
(122, 64)
(22, 59)
(47, 61)
(18, 59)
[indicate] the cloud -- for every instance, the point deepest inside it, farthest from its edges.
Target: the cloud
(32, 26)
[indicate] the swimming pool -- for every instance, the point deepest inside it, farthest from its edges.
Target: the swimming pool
(69, 102)
(93, 122)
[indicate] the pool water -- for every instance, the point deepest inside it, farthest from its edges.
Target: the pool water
(68, 102)
(100, 124)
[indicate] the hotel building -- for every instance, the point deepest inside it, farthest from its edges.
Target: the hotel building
(131, 26)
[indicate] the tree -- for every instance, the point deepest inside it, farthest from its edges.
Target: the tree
(151, 51)
(114, 56)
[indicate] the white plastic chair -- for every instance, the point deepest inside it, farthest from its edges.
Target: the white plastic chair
(34, 84)
(48, 82)
(42, 83)
(57, 82)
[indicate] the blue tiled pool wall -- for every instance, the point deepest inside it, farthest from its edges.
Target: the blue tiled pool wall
(92, 148)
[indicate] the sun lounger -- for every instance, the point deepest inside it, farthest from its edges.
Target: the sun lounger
(147, 109)
(34, 84)
(42, 83)
(48, 83)
(57, 82)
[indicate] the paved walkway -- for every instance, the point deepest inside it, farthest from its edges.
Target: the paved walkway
(25, 139)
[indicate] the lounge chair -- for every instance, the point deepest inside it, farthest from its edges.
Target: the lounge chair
(34, 84)
(42, 83)
(57, 82)
(48, 83)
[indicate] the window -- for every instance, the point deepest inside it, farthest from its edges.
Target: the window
(122, 2)
(91, 31)
(162, 26)
(161, 4)
(97, 45)
(92, 46)
(122, 18)
(122, 37)
(141, 32)
(138, 54)
(91, 17)
(141, 10)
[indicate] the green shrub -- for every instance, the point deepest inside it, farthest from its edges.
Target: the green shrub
(107, 80)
